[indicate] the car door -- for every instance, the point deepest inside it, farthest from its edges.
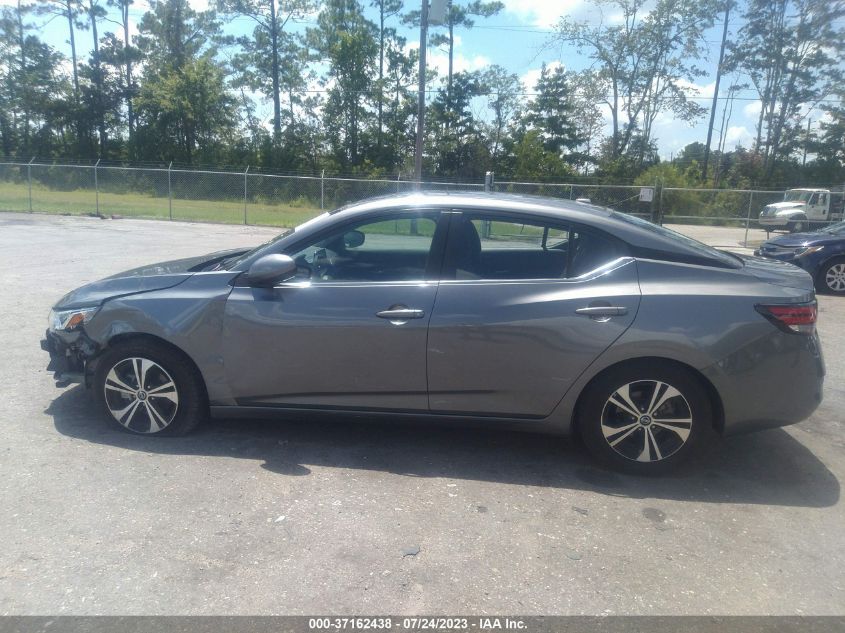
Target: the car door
(524, 306)
(350, 330)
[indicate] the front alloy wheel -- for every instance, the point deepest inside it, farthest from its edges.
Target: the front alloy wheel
(141, 395)
(150, 388)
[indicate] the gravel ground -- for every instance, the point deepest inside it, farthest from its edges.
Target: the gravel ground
(263, 517)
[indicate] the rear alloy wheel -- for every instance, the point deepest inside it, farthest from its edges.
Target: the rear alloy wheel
(832, 276)
(149, 389)
(643, 419)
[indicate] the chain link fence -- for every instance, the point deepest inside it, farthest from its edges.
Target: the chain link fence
(624, 198)
(715, 207)
(278, 200)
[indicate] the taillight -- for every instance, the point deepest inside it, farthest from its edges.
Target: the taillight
(795, 318)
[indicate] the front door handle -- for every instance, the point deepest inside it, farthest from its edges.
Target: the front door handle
(400, 314)
(602, 311)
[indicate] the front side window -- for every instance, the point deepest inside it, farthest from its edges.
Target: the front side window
(394, 249)
(491, 247)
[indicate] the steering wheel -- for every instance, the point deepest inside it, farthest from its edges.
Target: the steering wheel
(323, 263)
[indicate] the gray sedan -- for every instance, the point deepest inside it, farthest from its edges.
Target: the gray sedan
(537, 314)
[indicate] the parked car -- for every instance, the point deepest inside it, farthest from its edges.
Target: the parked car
(531, 313)
(821, 253)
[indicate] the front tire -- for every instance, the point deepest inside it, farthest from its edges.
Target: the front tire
(149, 389)
(799, 225)
(645, 417)
(831, 277)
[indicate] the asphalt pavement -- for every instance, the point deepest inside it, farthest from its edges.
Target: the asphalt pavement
(343, 516)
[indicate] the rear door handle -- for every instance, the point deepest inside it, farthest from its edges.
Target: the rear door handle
(401, 314)
(602, 311)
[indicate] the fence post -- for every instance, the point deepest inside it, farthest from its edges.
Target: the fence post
(488, 181)
(748, 218)
(657, 203)
(398, 180)
(97, 187)
(323, 190)
(169, 192)
(29, 180)
(245, 176)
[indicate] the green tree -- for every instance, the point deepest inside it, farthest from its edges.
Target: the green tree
(458, 144)
(348, 42)
(645, 59)
(588, 92)
(791, 50)
(830, 144)
(270, 58)
(550, 113)
(503, 99)
(30, 86)
(122, 56)
(187, 115)
(172, 33)
(534, 163)
(69, 10)
(185, 111)
(386, 10)
(400, 111)
(457, 15)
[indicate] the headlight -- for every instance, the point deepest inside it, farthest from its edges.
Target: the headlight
(69, 320)
(807, 250)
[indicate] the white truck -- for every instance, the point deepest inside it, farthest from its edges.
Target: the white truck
(802, 209)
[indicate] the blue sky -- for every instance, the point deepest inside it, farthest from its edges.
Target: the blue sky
(517, 39)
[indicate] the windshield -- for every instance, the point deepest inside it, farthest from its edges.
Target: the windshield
(701, 248)
(796, 196)
(231, 264)
(834, 229)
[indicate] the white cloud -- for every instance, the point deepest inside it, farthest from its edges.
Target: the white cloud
(738, 135)
(541, 13)
(692, 89)
(752, 109)
(198, 5)
(439, 60)
(133, 29)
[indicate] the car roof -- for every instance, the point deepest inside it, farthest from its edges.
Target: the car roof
(646, 239)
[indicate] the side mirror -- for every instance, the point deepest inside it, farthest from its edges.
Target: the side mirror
(270, 270)
(353, 239)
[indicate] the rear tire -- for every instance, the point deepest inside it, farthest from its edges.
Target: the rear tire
(673, 417)
(831, 276)
(149, 389)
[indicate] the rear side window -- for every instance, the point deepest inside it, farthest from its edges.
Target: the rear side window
(495, 247)
(590, 251)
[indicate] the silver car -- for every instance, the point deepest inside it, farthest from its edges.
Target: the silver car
(536, 314)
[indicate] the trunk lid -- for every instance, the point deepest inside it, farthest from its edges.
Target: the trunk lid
(778, 273)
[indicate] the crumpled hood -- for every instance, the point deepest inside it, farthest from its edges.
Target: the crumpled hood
(778, 273)
(143, 279)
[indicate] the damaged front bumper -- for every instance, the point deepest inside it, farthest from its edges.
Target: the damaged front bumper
(69, 356)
